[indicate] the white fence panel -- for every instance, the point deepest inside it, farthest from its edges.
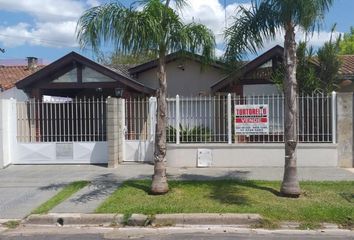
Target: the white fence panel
(140, 123)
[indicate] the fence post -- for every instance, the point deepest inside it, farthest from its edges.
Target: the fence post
(121, 130)
(113, 132)
(152, 111)
(178, 117)
(8, 131)
(334, 117)
(2, 133)
(345, 114)
(229, 119)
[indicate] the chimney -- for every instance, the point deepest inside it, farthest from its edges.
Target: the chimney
(32, 63)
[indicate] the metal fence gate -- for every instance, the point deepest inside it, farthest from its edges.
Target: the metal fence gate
(140, 114)
(71, 131)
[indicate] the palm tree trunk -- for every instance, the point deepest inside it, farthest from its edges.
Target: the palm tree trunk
(159, 180)
(290, 185)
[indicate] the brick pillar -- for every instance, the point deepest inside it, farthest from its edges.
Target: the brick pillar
(345, 129)
(115, 131)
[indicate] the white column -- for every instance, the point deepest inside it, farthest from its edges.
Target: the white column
(178, 119)
(229, 119)
(334, 117)
(2, 133)
(152, 117)
(121, 130)
(8, 132)
(12, 130)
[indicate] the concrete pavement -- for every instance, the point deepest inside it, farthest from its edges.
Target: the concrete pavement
(24, 187)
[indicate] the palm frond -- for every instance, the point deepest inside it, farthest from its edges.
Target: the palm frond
(251, 27)
(140, 29)
(197, 38)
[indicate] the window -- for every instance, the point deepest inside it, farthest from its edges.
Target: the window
(90, 75)
(69, 77)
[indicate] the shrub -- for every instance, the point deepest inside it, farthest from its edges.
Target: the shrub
(195, 134)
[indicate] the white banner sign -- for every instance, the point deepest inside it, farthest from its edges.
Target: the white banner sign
(251, 119)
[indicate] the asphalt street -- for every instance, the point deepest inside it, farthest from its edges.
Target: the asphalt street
(172, 233)
(195, 236)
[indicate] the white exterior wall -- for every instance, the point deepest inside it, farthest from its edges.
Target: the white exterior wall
(191, 81)
(48, 153)
(252, 155)
(7, 132)
(14, 93)
(260, 89)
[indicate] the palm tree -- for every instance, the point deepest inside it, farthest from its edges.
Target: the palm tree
(262, 21)
(145, 27)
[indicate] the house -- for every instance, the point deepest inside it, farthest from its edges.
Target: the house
(254, 77)
(76, 76)
(10, 75)
(87, 127)
(346, 73)
(187, 75)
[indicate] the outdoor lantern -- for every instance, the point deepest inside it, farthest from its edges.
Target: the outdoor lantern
(118, 92)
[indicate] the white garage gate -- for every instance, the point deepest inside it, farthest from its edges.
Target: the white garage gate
(60, 131)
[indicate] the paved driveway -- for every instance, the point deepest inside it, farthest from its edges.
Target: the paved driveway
(24, 187)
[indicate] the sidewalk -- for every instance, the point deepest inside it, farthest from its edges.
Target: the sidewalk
(25, 187)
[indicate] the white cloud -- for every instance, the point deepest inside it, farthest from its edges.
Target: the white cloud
(212, 14)
(316, 39)
(51, 34)
(219, 52)
(93, 3)
(54, 22)
(46, 10)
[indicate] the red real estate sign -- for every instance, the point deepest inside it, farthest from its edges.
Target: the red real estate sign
(251, 119)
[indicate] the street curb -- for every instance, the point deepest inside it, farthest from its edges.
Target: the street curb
(62, 219)
(158, 220)
(141, 220)
(205, 219)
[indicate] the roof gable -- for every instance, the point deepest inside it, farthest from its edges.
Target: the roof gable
(74, 57)
(173, 57)
(276, 51)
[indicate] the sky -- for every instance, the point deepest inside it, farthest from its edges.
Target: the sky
(46, 28)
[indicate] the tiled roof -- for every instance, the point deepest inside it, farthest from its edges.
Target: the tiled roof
(122, 69)
(9, 75)
(347, 67)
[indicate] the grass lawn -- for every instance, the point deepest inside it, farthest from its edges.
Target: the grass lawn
(320, 201)
(64, 194)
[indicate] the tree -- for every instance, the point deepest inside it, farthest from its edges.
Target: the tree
(329, 64)
(149, 26)
(346, 45)
(262, 21)
(2, 50)
(306, 74)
